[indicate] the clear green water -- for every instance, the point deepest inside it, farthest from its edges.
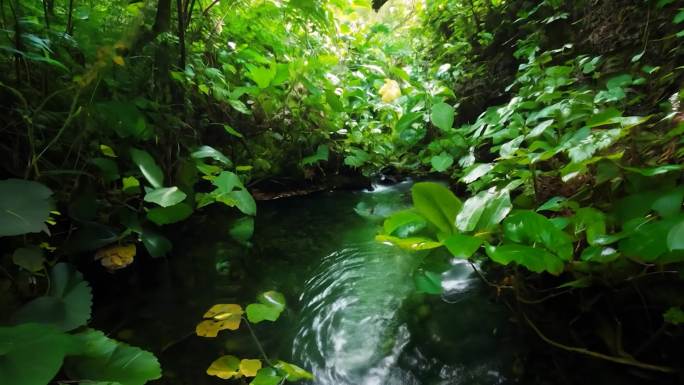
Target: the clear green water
(353, 318)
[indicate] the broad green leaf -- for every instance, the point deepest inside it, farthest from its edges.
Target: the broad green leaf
(540, 128)
(496, 210)
(131, 185)
(675, 237)
(428, 282)
(125, 119)
(156, 244)
(262, 76)
(650, 241)
(404, 223)
(242, 229)
(148, 167)
(108, 168)
(530, 228)
(674, 316)
(599, 254)
(108, 360)
(534, 259)
(292, 372)
(654, 171)
(476, 172)
(442, 162)
(267, 376)
(212, 153)
(67, 304)
(591, 221)
(24, 207)
(437, 204)
(171, 214)
(32, 354)
(669, 203)
(462, 246)
(244, 201)
(322, 153)
(29, 258)
(484, 210)
(442, 116)
(553, 204)
(271, 304)
(165, 196)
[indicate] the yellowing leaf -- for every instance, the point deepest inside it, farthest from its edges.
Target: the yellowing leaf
(116, 257)
(225, 367)
(221, 317)
(118, 60)
(390, 91)
(249, 368)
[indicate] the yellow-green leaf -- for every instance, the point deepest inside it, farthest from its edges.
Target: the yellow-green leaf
(225, 367)
(249, 368)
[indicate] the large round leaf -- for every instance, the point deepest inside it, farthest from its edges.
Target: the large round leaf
(442, 116)
(32, 354)
(67, 305)
(108, 360)
(24, 207)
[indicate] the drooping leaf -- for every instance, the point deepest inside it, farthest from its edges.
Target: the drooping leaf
(155, 244)
(32, 354)
(67, 304)
(411, 243)
(428, 282)
(212, 153)
(165, 196)
(24, 207)
(437, 204)
(533, 258)
(674, 316)
(442, 116)
(404, 223)
(148, 167)
(29, 258)
(108, 360)
(462, 246)
(167, 215)
(292, 372)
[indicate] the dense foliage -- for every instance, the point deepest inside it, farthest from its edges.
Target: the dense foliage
(557, 123)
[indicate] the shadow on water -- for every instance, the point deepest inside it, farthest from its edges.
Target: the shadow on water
(354, 316)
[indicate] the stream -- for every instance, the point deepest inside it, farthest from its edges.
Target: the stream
(354, 316)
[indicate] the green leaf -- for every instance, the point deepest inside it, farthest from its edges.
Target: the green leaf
(148, 167)
(262, 76)
(292, 372)
(476, 172)
(674, 315)
(271, 304)
(654, 171)
(591, 221)
(404, 223)
(32, 354)
(156, 244)
(437, 204)
(442, 162)
(125, 119)
(428, 282)
(442, 116)
(669, 203)
(266, 376)
(29, 258)
(107, 151)
(108, 168)
(165, 196)
(24, 207)
(530, 228)
(462, 246)
(242, 229)
(67, 304)
(599, 254)
(412, 243)
(484, 210)
(651, 240)
(212, 153)
(131, 185)
(244, 201)
(232, 131)
(171, 214)
(540, 128)
(534, 259)
(322, 153)
(108, 360)
(675, 238)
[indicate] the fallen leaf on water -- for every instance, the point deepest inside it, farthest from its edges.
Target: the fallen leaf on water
(116, 257)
